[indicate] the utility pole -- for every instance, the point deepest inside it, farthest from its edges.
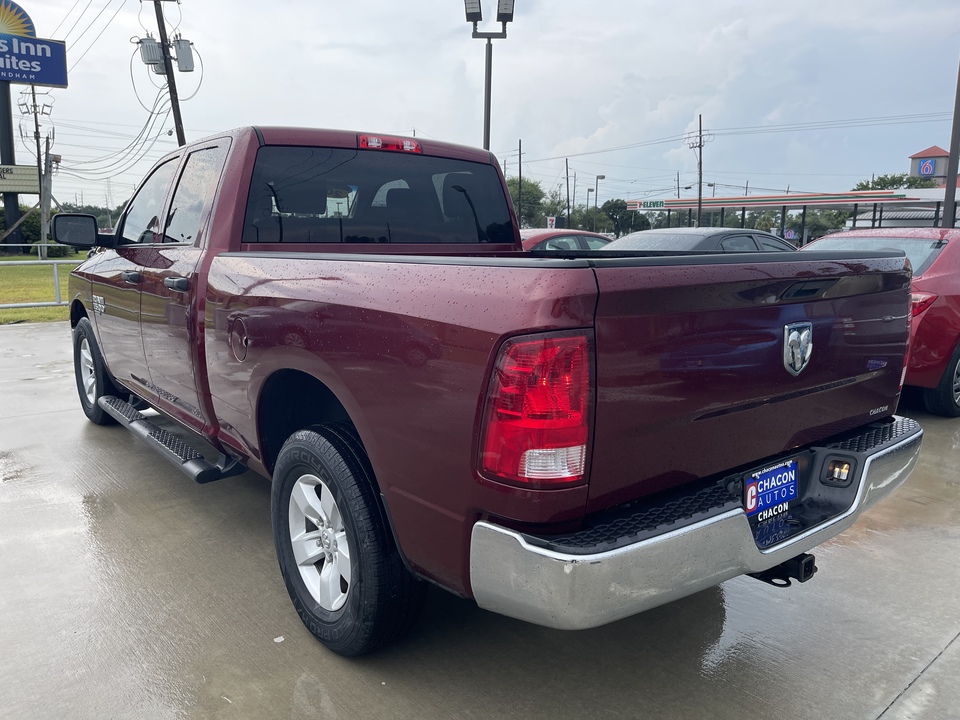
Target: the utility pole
(520, 182)
(46, 193)
(743, 210)
(168, 69)
(697, 146)
(567, 164)
(950, 194)
(36, 137)
(574, 190)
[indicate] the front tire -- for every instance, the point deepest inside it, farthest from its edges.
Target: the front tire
(342, 570)
(93, 382)
(945, 398)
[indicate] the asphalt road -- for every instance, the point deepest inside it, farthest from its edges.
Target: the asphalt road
(126, 591)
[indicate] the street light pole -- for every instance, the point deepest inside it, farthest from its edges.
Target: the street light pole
(596, 195)
(475, 16)
(487, 85)
(587, 207)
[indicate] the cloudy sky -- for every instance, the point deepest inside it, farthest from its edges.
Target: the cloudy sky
(811, 95)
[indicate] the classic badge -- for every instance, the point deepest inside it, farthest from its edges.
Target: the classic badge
(797, 346)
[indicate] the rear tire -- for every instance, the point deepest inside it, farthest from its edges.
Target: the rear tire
(944, 399)
(93, 382)
(342, 570)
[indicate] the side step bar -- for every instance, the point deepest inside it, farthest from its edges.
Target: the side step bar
(171, 447)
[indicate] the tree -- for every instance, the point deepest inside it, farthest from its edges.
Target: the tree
(29, 229)
(106, 218)
(895, 181)
(636, 221)
(616, 211)
(555, 204)
(818, 222)
(531, 211)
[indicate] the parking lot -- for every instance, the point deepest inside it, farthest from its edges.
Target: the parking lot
(127, 591)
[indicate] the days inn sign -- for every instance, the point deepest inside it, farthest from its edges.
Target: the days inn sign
(24, 58)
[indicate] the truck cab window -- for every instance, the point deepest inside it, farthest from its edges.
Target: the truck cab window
(194, 194)
(141, 223)
(339, 195)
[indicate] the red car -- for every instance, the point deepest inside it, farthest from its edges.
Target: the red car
(546, 239)
(935, 338)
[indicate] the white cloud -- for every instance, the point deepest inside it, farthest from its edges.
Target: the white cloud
(570, 78)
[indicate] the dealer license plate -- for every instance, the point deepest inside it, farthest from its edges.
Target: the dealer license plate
(768, 492)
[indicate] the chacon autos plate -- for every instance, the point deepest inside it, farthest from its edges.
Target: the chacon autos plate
(768, 492)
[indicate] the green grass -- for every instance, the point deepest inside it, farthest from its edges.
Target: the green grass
(20, 284)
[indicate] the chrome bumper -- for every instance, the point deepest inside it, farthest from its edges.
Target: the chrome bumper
(512, 577)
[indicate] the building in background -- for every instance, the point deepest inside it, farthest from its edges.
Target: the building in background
(930, 164)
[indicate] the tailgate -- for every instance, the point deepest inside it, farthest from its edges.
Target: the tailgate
(701, 362)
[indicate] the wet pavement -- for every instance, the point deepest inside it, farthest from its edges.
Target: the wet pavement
(127, 591)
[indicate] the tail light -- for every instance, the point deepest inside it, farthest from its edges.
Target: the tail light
(920, 301)
(536, 423)
(383, 142)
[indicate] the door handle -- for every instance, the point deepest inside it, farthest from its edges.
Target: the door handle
(177, 284)
(130, 276)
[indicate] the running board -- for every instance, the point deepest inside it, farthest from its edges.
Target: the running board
(171, 447)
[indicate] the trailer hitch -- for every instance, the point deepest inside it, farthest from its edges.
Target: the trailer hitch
(801, 568)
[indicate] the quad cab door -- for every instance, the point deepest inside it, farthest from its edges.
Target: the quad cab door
(119, 279)
(170, 316)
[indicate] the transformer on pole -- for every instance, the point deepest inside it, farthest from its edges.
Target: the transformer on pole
(158, 57)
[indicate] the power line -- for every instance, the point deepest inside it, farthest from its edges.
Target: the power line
(66, 35)
(54, 33)
(876, 121)
(103, 30)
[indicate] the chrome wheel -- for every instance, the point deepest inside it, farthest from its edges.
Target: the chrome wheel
(87, 370)
(319, 542)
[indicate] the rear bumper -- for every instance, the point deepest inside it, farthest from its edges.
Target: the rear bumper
(512, 574)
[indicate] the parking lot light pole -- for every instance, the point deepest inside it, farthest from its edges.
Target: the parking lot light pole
(587, 208)
(596, 195)
(475, 16)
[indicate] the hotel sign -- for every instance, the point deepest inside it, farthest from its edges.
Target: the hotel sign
(25, 58)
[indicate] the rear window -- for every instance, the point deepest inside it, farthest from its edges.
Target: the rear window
(327, 195)
(921, 252)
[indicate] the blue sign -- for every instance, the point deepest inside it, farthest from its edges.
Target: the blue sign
(926, 167)
(33, 61)
(15, 21)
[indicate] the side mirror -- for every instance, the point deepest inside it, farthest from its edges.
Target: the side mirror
(79, 231)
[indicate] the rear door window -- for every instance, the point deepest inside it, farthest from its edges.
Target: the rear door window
(921, 251)
(738, 243)
(593, 243)
(337, 195)
(194, 194)
(773, 244)
(562, 242)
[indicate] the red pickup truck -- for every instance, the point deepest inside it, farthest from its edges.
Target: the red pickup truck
(567, 438)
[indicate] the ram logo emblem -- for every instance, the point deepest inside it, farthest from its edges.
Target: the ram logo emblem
(797, 346)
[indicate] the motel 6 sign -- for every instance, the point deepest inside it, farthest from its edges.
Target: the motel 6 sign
(24, 58)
